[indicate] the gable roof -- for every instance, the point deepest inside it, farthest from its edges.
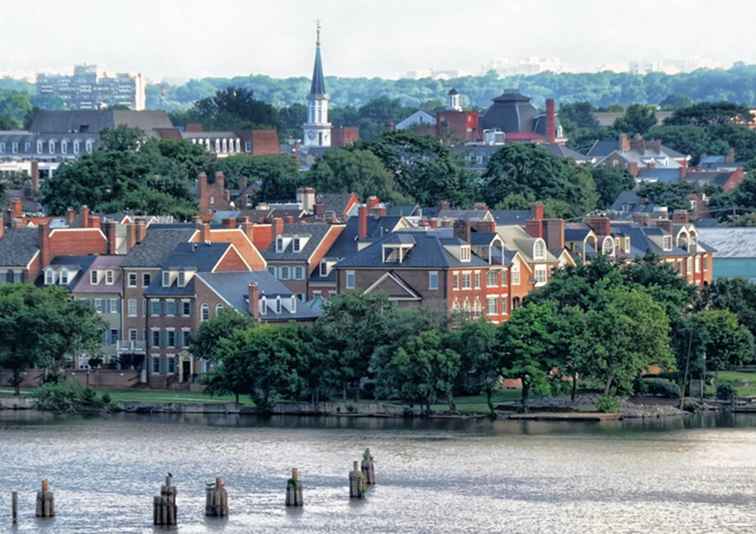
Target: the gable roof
(315, 233)
(201, 257)
(738, 242)
(158, 245)
(18, 247)
(392, 285)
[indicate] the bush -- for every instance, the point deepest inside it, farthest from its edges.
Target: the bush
(726, 391)
(607, 404)
(67, 396)
(658, 387)
(106, 398)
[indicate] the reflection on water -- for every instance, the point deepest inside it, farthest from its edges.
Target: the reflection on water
(663, 475)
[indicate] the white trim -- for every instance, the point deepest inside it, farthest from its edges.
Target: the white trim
(398, 282)
(232, 246)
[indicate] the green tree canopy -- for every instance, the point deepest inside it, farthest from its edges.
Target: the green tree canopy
(278, 175)
(358, 171)
(610, 182)
(638, 119)
(709, 114)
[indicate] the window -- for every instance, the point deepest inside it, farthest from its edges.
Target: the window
(156, 365)
(51, 146)
(607, 247)
(455, 280)
(350, 280)
(182, 279)
(64, 146)
(627, 245)
(2, 148)
(540, 274)
(63, 277)
(156, 338)
(278, 305)
(76, 146)
(698, 264)
(171, 365)
(464, 253)
(465, 280)
(263, 305)
(187, 337)
(272, 271)
(40, 147)
(205, 312)
(94, 277)
(433, 280)
(492, 308)
(146, 280)
(539, 250)
(171, 338)
(218, 309)
(296, 244)
(132, 307)
(132, 279)
(186, 306)
(689, 266)
(323, 268)
(170, 308)
(476, 278)
(109, 278)
(285, 272)
(298, 273)
(155, 307)
(89, 146)
(515, 274)
(49, 277)
(667, 242)
(14, 147)
(279, 244)
(493, 279)
(113, 336)
(99, 307)
(132, 334)
(113, 307)
(166, 279)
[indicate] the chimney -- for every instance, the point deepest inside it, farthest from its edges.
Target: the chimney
(229, 222)
(249, 229)
(131, 235)
(17, 208)
(664, 224)
(35, 177)
(306, 197)
(202, 193)
(289, 219)
(680, 217)
(95, 221)
(683, 171)
(319, 210)
(363, 223)
(204, 232)
(85, 216)
(278, 226)
(550, 121)
(602, 226)
(537, 211)
(462, 230)
(253, 294)
(111, 232)
(553, 230)
(44, 245)
(373, 202)
(624, 143)
(70, 217)
(2, 225)
(433, 222)
(444, 205)
(243, 196)
(632, 169)
(220, 182)
(141, 227)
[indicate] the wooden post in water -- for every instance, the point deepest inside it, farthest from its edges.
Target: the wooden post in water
(357, 483)
(216, 499)
(294, 489)
(14, 507)
(164, 507)
(368, 467)
(45, 502)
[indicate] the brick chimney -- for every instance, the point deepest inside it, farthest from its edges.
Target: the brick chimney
(551, 127)
(243, 196)
(373, 202)
(462, 230)
(220, 182)
(35, 177)
(229, 222)
(111, 233)
(85, 216)
(202, 192)
(680, 217)
(95, 221)
(2, 225)
(319, 210)
(289, 219)
(253, 296)
(131, 235)
(278, 226)
(602, 226)
(537, 211)
(70, 217)
(433, 222)
(249, 229)
(363, 222)
(553, 230)
(44, 245)
(534, 227)
(204, 232)
(623, 143)
(17, 208)
(141, 227)
(683, 170)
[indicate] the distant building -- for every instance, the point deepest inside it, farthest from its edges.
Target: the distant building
(647, 160)
(513, 114)
(735, 251)
(317, 129)
(419, 119)
(89, 88)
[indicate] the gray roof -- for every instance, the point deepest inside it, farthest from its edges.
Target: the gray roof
(317, 87)
(79, 263)
(103, 263)
(315, 233)
(335, 202)
(160, 242)
(737, 242)
(563, 151)
(506, 217)
(56, 122)
(513, 112)
(659, 174)
(18, 246)
(201, 257)
(576, 231)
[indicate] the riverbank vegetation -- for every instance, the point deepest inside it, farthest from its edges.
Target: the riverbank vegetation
(601, 326)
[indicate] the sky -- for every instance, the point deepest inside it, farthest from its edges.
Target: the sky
(172, 39)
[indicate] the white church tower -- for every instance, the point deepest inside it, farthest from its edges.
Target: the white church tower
(317, 129)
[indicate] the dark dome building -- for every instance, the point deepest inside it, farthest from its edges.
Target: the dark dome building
(514, 114)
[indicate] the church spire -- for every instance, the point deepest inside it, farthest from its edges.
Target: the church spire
(317, 88)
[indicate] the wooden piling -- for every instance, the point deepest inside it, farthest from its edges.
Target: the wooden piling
(14, 507)
(164, 513)
(216, 499)
(368, 467)
(357, 482)
(45, 502)
(294, 489)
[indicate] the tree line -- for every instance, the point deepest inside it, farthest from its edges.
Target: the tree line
(600, 325)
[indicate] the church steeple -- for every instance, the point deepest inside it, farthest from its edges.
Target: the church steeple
(317, 88)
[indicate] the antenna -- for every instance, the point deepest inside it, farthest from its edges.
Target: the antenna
(317, 30)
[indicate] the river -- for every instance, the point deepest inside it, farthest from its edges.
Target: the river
(694, 476)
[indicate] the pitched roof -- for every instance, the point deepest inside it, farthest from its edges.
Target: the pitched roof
(505, 217)
(104, 263)
(18, 246)
(80, 264)
(563, 151)
(201, 257)
(48, 121)
(739, 242)
(160, 242)
(660, 174)
(317, 87)
(315, 233)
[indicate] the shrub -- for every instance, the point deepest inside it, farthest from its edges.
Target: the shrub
(726, 391)
(106, 398)
(658, 387)
(67, 396)
(607, 404)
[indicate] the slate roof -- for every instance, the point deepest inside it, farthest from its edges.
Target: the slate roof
(402, 210)
(563, 151)
(481, 238)
(513, 112)
(627, 201)
(661, 175)
(335, 202)
(576, 232)
(201, 257)
(507, 217)
(160, 242)
(103, 263)
(18, 246)
(718, 178)
(315, 231)
(78, 263)
(317, 87)
(56, 122)
(428, 252)
(737, 242)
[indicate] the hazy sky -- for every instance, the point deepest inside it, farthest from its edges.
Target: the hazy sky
(189, 38)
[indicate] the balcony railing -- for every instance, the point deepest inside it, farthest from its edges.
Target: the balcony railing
(131, 347)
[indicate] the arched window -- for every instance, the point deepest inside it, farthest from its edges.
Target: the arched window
(607, 247)
(51, 146)
(89, 146)
(539, 249)
(76, 146)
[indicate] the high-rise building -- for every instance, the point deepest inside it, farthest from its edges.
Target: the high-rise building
(89, 88)
(317, 129)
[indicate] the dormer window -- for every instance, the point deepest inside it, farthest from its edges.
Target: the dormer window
(464, 253)
(94, 277)
(324, 270)
(263, 305)
(109, 277)
(296, 244)
(627, 245)
(63, 277)
(278, 305)
(293, 307)
(539, 250)
(279, 244)
(166, 279)
(667, 241)
(182, 279)
(49, 277)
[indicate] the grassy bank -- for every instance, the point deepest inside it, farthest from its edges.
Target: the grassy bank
(745, 383)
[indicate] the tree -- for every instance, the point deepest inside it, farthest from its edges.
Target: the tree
(40, 326)
(530, 347)
(638, 119)
(729, 344)
(693, 140)
(233, 108)
(672, 195)
(528, 170)
(276, 176)
(610, 182)
(423, 168)
(477, 344)
(709, 114)
(421, 370)
(577, 115)
(735, 295)
(358, 171)
(207, 341)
